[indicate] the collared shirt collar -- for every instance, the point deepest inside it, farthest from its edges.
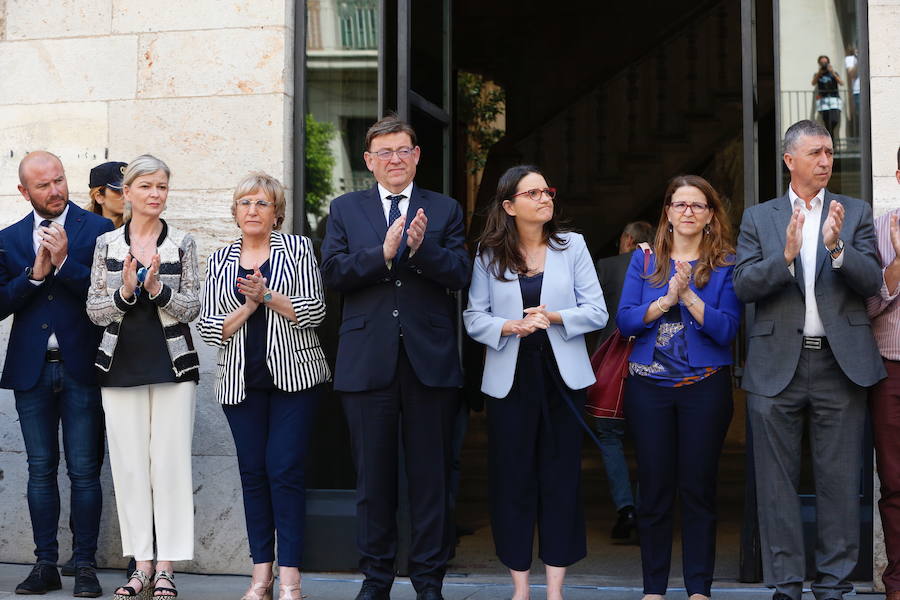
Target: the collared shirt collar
(383, 192)
(59, 219)
(818, 199)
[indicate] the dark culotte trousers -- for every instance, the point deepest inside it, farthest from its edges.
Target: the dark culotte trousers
(534, 454)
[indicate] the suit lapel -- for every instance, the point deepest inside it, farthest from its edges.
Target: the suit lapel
(781, 214)
(277, 255)
(554, 263)
(229, 274)
(821, 253)
(417, 201)
(74, 223)
(25, 236)
(371, 207)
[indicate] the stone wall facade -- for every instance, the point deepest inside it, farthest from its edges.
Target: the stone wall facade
(204, 85)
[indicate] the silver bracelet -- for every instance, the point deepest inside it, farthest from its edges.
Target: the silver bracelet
(693, 302)
(659, 305)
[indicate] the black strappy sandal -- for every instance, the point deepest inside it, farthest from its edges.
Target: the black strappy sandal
(143, 594)
(165, 591)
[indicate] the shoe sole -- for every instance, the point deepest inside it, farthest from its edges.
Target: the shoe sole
(88, 594)
(21, 592)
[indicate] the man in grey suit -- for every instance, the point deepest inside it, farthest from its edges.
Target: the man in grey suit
(808, 261)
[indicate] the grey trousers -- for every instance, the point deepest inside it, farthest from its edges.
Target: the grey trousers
(835, 408)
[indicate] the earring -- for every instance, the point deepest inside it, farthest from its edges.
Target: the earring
(706, 229)
(671, 229)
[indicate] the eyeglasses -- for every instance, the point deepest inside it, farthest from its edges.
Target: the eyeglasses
(386, 155)
(260, 204)
(537, 193)
(695, 207)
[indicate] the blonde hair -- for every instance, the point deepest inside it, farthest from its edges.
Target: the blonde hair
(144, 164)
(258, 181)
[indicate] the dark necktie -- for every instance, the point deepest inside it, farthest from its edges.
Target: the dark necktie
(394, 212)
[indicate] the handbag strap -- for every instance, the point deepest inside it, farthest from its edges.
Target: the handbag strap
(647, 252)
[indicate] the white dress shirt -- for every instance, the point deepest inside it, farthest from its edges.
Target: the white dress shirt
(60, 219)
(386, 204)
(812, 324)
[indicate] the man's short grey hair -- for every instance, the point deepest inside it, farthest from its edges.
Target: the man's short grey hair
(144, 164)
(639, 231)
(800, 129)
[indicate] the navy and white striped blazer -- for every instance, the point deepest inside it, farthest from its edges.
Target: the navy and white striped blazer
(293, 353)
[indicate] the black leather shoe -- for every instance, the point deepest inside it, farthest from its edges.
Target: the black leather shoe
(43, 578)
(370, 591)
(625, 524)
(429, 594)
(67, 569)
(86, 583)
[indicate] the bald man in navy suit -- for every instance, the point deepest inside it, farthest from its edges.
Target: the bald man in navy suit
(45, 268)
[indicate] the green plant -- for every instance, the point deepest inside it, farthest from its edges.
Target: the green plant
(479, 105)
(319, 164)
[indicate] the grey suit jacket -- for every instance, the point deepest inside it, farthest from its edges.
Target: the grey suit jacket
(761, 277)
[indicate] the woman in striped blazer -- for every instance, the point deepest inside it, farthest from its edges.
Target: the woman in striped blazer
(261, 301)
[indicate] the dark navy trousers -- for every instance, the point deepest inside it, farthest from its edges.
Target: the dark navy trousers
(271, 430)
(678, 435)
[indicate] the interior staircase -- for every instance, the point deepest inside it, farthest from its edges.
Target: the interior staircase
(617, 144)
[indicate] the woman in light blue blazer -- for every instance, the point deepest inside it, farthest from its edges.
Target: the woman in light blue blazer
(684, 314)
(533, 296)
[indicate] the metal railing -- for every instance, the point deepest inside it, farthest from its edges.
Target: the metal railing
(797, 105)
(358, 20)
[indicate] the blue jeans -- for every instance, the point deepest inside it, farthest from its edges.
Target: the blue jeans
(59, 398)
(611, 432)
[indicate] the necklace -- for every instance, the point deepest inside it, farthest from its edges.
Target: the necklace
(142, 248)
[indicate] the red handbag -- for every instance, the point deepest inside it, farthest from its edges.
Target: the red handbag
(610, 364)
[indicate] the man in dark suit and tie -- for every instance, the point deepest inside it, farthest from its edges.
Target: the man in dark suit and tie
(808, 261)
(395, 252)
(45, 267)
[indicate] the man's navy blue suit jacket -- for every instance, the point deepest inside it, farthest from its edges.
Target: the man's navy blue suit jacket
(411, 296)
(55, 306)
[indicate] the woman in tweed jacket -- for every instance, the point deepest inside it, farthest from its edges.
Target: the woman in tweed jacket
(262, 300)
(145, 291)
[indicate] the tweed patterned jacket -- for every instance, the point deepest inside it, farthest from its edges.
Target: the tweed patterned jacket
(178, 302)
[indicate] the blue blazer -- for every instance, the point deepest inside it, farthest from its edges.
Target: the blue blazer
(412, 295)
(56, 305)
(570, 287)
(708, 345)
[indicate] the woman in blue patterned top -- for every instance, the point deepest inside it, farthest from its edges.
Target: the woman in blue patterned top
(684, 315)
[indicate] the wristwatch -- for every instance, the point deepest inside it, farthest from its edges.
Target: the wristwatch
(838, 248)
(267, 296)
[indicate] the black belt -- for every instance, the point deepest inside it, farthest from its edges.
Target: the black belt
(814, 342)
(53, 355)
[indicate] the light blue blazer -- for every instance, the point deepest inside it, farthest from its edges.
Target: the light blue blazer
(570, 288)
